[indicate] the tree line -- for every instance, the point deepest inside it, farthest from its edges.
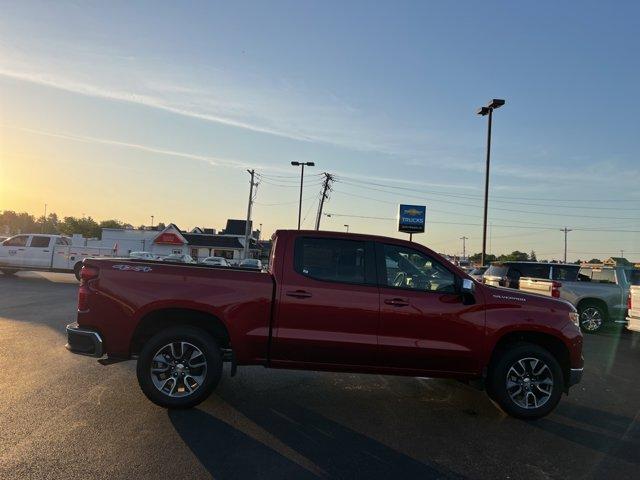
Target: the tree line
(13, 223)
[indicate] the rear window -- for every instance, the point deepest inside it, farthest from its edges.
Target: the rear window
(603, 276)
(497, 271)
(331, 259)
(532, 270)
(565, 272)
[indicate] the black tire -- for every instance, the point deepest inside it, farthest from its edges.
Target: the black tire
(76, 270)
(500, 376)
(8, 272)
(199, 339)
(592, 317)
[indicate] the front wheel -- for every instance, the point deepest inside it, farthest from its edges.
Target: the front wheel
(526, 381)
(179, 367)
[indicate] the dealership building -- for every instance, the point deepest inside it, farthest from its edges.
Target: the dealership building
(199, 242)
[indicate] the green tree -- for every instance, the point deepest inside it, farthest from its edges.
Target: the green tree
(515, 256)
(595, 260)
(476, 257)
(532, 256)
(87, 227)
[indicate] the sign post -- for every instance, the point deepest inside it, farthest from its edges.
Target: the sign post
(412, 219)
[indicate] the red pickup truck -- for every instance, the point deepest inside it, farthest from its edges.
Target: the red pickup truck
(329, 301)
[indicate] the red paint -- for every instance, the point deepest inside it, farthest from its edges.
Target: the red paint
(168, 239)
(326, 325)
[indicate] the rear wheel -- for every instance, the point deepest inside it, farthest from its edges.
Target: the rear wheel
(592, 317)
(179, 367)
(8, 272)
(526, 381)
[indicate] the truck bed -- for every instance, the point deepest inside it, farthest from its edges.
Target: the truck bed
(127, 291)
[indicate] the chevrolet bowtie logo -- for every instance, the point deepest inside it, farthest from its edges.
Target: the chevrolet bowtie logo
(412, 211)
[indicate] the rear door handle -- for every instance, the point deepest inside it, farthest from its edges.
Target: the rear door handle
(298, 294)
(397, 302)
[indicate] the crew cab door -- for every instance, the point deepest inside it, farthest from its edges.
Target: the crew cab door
(328, 301)
(13, 250)
(425, 324)
(39, 252)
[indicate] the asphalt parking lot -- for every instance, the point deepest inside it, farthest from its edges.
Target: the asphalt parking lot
(66, 416)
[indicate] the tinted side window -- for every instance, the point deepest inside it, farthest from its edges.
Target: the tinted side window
(566, 273)
(62, 241)
(331, 259)
(408, 268)
(19, 241)
(39, 242)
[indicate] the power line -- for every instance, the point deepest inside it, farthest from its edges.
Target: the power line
(499, 208)
(476, 196)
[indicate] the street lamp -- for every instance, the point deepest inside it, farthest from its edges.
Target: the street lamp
(488, 110)
(347, 227)
(301, 164)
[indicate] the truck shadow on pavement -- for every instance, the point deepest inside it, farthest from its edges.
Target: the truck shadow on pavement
(336, 450)
(618, 435)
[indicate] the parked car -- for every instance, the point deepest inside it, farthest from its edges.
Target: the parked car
(45, 253)
(330, 301)
(477, 273)
(216, 261)
(143, 255)
(178, 258)
(251, 263)
(599, 293)
(507, 274)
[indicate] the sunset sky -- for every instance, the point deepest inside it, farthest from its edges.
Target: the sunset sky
(115, 110)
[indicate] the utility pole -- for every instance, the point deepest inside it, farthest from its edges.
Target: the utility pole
(464, 246)
(44, 219)
(247, 227)
(565, 230)
(151, 221)
(326, 187)
(622, 253)
(347, 227)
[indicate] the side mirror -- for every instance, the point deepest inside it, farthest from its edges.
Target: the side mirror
(467, 286)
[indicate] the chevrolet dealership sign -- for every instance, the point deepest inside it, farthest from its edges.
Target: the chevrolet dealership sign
(412, 218)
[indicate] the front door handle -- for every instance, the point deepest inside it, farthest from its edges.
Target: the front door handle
(397, 302)
(298, 294)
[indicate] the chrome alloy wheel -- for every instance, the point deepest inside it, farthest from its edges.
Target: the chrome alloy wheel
(591, 319)
(529, 383)
(178, 369)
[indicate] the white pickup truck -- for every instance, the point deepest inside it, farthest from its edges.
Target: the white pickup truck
(50, 253)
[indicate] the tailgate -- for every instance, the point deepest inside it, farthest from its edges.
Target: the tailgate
(536, 285)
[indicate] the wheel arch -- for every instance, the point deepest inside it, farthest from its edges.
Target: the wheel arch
(158, 320)
(594, 301)
(551, 343)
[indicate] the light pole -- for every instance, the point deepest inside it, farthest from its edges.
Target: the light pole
(488, 110)
(347, 227)
(301, 164)
(151, 221)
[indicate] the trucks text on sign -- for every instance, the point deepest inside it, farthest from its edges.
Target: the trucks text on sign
(412, 218)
